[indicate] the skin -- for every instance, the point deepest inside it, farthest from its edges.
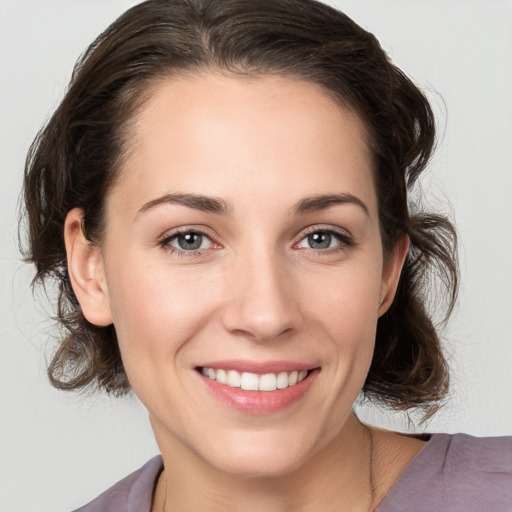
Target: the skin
(256, 290)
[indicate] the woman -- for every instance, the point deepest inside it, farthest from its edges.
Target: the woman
(222, 197)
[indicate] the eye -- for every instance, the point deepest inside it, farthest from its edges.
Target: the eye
(323, 239)
(188, 241)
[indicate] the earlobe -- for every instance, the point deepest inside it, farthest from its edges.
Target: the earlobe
(86, 271)
(391, 273)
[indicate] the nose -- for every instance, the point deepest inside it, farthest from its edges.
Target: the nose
(261, 301)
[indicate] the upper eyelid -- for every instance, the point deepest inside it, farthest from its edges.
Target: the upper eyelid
(167, 235)
(326, 229)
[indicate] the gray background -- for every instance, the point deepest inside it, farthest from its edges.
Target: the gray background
(59, 450)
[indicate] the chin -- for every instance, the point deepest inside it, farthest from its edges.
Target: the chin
(259, 465)
(260, 455)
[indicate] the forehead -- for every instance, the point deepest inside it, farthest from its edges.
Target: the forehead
(219, 135)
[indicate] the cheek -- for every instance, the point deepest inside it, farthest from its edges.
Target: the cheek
(347, 304)
(157, 308)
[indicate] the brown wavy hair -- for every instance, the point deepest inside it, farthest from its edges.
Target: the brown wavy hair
(76, 157)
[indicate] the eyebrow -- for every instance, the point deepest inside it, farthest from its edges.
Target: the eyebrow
(322, 202)
(195, 201)
(218, 206)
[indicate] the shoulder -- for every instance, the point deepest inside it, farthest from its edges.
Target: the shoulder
(132, 494)
(468, 454)
(455, 472)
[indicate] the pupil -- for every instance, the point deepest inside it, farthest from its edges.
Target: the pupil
(190, 241)
(319, 240)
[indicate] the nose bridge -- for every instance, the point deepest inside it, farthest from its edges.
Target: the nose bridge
(261, 301)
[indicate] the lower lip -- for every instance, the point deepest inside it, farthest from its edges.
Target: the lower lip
(260, 402)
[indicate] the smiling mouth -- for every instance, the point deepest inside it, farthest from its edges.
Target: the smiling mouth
(254, 382)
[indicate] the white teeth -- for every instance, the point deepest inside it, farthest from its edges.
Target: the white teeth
(222, 376)
(252, 381)
(249, 381)
(282, 380)
(233, 379)
(267, 382)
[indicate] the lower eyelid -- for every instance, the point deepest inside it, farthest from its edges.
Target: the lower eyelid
(180, 253)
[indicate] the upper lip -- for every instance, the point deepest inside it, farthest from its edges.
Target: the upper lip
(258, 367)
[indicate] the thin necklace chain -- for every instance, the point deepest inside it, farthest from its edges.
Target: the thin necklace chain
(165, 497)
(371, 475)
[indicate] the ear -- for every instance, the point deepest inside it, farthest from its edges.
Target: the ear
(391, 273)
(86, 271)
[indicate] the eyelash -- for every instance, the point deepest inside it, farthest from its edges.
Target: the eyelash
(182, 253)
(345, 241)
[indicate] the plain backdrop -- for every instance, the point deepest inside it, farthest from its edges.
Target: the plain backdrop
(59, 450)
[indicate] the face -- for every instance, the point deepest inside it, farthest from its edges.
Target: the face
(242, 268)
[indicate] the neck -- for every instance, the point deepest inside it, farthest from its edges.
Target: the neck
(337, 477)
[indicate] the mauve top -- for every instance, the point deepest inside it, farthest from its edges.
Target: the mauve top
(451, 473)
